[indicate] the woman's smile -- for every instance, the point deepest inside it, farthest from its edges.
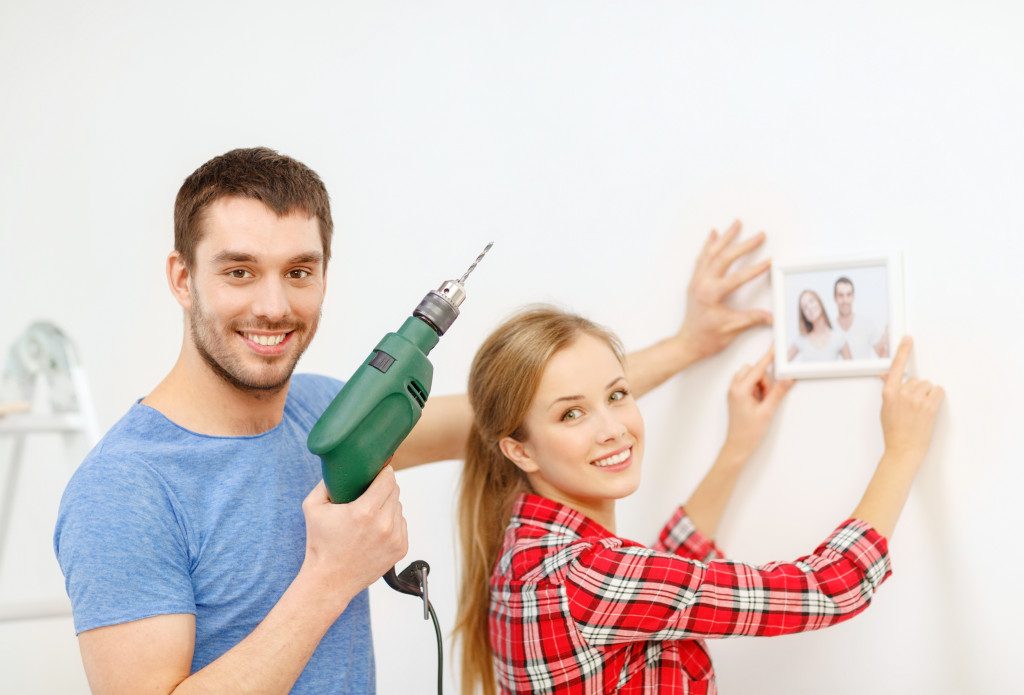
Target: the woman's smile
(616, 461)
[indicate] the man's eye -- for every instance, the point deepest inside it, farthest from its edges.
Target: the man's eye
(240, 273)
(572, 414)
(299, 274)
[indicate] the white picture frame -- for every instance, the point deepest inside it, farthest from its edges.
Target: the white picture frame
(870, 302)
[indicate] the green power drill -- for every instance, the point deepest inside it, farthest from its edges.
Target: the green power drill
(378, 407)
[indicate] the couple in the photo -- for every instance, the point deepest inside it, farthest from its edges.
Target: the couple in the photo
(854, 336)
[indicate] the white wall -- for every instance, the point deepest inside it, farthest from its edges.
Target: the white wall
(596, 143)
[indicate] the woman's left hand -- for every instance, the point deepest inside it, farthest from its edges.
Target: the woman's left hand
(711, 324)
(753, 397)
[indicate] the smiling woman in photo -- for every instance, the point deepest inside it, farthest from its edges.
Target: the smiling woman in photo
(817, 340)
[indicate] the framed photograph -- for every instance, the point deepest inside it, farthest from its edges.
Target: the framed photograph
(837, 316)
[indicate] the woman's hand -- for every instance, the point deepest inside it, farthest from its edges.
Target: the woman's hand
(909, 408)
(753, 397)
(710, 324)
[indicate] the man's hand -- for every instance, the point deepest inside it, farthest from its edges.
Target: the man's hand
(350, 546)
(711, 325)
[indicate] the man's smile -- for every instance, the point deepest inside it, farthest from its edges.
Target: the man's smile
(266, 340)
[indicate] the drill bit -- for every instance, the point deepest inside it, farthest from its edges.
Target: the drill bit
(483, 253)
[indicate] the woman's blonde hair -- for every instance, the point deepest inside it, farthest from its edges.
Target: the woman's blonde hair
(806, 326)
(503, 379)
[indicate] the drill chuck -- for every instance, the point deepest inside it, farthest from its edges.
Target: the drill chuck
(440, 307)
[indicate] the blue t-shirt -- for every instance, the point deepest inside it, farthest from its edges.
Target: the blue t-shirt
(160, 520)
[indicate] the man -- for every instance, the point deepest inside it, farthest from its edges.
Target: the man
(194, 553)
(862, 337)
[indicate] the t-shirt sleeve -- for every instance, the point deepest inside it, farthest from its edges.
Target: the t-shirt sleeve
(121, 546)
(626, 594)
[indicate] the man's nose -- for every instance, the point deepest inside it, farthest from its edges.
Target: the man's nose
(271, 300)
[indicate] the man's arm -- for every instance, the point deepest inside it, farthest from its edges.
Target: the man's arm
(710, 325)
(882, 346)
(348, 547)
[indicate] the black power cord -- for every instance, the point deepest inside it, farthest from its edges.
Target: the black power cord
(413, 581)
(440, 658)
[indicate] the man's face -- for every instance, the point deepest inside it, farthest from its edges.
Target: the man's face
(256, 290)
(844, 298)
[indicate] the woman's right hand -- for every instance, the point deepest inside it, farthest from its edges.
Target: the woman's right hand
(909, 408)
(753, 398)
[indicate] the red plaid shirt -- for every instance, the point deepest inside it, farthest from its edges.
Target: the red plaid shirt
(575, 609)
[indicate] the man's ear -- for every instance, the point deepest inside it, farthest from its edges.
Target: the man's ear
(178, 279)
(517, 452)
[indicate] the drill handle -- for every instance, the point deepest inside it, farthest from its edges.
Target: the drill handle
(371, 415)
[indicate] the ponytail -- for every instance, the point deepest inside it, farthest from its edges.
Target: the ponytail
(487, 491)
(503, 379)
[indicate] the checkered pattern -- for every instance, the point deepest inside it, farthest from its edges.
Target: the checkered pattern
(574, 609)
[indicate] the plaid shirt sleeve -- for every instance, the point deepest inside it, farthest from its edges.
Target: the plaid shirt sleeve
(625, 593)
(681, 537)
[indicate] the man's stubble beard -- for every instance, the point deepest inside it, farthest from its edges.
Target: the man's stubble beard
(212, 347)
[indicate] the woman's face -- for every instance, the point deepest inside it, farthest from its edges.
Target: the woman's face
(584, 432)
(810, 307)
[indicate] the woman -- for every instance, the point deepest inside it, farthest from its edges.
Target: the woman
(552, 601)
(817, 341)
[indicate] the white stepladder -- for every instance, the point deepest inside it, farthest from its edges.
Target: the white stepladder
(44, 390)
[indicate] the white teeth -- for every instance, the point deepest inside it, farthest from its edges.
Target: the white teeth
(266, 339)
(612, 460)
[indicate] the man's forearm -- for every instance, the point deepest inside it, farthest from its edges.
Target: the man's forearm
(273, 656)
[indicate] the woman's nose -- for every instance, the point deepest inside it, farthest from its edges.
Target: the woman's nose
(611, 427)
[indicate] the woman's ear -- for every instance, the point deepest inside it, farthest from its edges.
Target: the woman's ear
(516, 452)
(178, 279)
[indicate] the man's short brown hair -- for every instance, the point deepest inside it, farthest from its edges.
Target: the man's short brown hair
(281, 183)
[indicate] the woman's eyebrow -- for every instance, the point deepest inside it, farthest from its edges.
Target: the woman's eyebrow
(578, 396)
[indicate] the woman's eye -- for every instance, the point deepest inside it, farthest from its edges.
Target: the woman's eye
(572, 414)
(618, 395)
